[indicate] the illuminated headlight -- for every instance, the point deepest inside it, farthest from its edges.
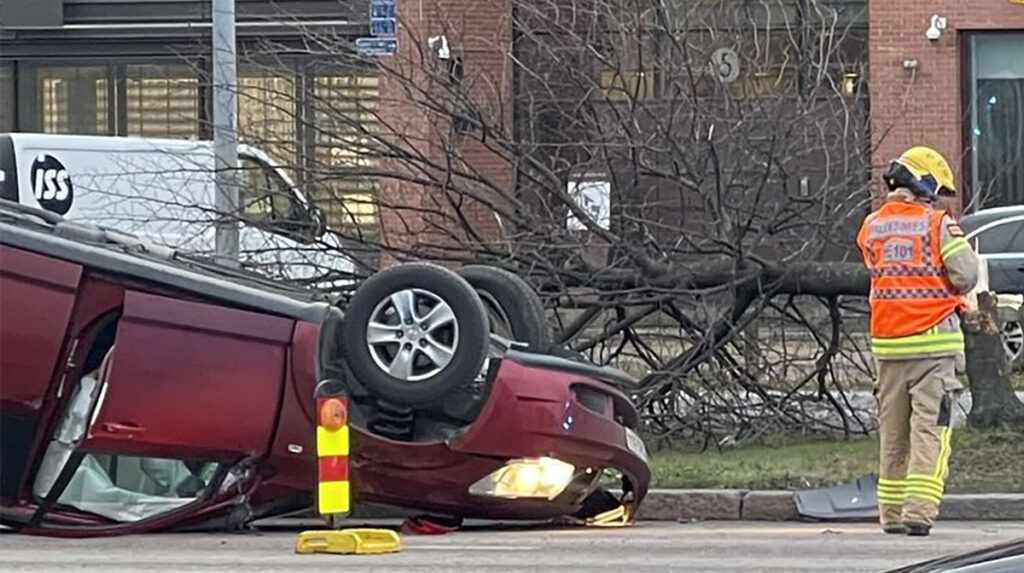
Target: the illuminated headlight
(527, 477)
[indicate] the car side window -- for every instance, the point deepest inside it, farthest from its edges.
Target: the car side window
(1016, 243)
(268, 199)
(1007, 237)
(119, 487)
(133, 488)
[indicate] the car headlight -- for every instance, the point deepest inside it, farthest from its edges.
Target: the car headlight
(528, 477)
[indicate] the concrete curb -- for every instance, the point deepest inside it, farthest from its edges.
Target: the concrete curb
(728, 504)
(739, 504)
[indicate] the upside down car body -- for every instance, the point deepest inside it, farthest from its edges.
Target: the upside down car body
(145, 390)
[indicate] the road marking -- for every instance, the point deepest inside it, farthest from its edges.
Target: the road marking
(474, 547)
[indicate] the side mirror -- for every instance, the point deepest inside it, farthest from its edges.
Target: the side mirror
(319, 220)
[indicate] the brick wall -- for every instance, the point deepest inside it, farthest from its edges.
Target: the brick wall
(923, 106)
(480, 31)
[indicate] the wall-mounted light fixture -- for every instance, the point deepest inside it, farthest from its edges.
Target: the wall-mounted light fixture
(938, 24)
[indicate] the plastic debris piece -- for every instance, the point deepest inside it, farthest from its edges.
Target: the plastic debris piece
(856, 500)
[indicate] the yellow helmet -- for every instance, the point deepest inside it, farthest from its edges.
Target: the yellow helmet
(922, 170)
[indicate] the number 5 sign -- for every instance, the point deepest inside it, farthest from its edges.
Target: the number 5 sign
(725, 65)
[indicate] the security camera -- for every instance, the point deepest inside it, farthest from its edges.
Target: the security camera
(935, 29)
(441, 42)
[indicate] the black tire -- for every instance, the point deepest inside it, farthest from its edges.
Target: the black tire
(510, 300)
(469, 347)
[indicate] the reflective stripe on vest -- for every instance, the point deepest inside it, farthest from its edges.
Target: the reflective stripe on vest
(903, 293)
(910, 292)
(926, 343)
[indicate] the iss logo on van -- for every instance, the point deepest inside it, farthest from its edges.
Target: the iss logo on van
(51, 184)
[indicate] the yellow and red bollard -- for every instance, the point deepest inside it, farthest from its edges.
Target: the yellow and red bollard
(334, 494)
(332, 446)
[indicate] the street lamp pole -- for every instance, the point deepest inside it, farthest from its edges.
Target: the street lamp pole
(225, 129)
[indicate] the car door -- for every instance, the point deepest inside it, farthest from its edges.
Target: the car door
(187, 391)
(191, 378)
(31, 339)
(1001, 244)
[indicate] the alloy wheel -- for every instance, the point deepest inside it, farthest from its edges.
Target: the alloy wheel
(1013, 339)
(412, 334)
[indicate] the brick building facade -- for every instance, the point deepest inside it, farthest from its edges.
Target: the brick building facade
(921, 89)
(118, 53)
(478, 37)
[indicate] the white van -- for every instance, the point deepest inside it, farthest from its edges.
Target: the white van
(163, 189)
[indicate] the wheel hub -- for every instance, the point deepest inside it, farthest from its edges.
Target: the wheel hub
(412, 335)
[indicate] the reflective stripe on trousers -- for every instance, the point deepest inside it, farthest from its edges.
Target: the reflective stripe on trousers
(931, 487)
(916, 400)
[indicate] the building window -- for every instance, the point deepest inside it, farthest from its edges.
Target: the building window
(345, 120)
(162, 101)
(74, 100)
(995, 118)
(626, 86)
(267, 106)
(8, 106)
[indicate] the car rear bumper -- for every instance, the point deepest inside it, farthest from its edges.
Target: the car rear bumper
(530, 413)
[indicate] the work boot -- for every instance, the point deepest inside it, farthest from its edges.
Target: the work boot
(918, 529)
(894, 528)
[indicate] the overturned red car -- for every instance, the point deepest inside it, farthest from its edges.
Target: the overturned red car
(145, 390)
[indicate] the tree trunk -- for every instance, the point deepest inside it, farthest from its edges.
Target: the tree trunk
(994, 402)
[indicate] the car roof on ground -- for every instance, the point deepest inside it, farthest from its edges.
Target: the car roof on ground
(124, 254)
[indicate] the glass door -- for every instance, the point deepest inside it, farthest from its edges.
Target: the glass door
(995, 119)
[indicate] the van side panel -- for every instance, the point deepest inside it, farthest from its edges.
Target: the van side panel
(158, 189)
(163, 190)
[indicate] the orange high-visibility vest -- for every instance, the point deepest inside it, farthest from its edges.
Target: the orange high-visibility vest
(910, 292)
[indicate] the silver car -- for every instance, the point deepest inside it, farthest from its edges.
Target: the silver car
(997, 235)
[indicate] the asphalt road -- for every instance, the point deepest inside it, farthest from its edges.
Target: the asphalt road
(653, 547)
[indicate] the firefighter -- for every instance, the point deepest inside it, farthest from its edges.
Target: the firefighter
(921, 265)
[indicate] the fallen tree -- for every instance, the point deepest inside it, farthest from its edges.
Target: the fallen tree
(994, 402)
(681, 181)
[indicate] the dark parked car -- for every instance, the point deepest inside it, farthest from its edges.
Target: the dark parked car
(145, 390)
(998, 237)
(1003, 558)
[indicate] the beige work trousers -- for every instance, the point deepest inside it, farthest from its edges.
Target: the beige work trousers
(915, 403)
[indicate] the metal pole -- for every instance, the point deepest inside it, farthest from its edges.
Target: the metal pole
(225, 129)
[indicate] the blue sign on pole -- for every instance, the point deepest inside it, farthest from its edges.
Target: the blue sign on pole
(377, 46)
(382, 27)
(382, 9)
